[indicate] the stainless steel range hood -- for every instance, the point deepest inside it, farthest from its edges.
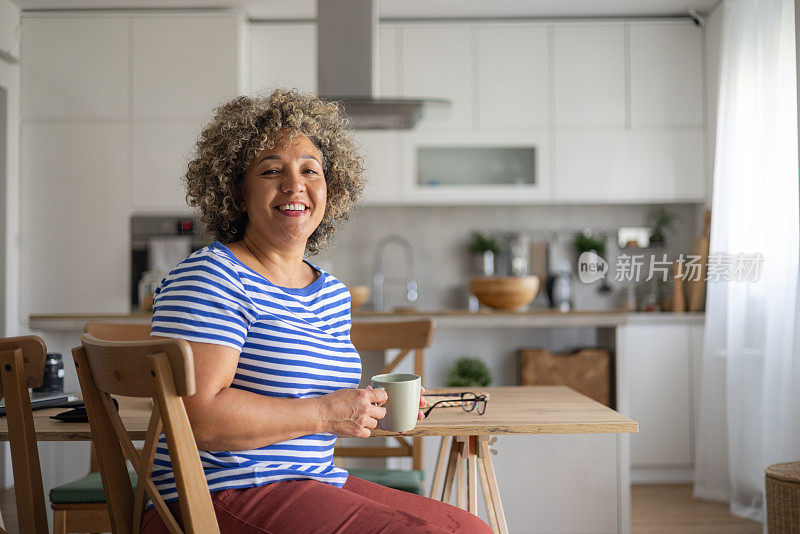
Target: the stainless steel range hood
(348, 48)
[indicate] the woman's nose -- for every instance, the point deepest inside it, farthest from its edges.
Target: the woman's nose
(293, 182)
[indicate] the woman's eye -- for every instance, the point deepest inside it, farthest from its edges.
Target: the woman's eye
(311, 171)
(269, 171)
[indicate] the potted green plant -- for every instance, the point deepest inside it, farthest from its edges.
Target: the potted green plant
(587, 242)
(483, 248)
(469, 372)
(662, 221)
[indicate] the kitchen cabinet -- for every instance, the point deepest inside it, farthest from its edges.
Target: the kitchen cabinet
(666, 73)
(74, 223)
(75, 67)
(513, 75)
(605, 165)
(9, 28)
(160, 153)
(589, 74)
(437, 62)
(533, 182)
(662, 368)
(381, 150)
(183, 65)
(283, 55)
(391, 46)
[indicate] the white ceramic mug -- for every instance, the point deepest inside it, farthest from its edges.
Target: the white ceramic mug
(402, 407)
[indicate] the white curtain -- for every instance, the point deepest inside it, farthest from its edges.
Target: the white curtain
(749, 413)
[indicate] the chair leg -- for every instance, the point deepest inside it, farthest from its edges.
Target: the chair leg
(59, 522)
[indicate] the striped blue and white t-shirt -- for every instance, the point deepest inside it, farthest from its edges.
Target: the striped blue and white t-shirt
(293, 342)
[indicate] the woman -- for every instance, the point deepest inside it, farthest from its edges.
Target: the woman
(276, 371)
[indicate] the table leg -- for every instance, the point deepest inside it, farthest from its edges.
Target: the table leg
(452, 462)
(491, 479)
(441, 466)
(487, 493)
(472, 475)
(461, 496)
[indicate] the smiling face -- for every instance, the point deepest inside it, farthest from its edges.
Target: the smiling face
(285, 193)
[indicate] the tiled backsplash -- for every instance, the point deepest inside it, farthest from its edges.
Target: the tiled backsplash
(440, 236)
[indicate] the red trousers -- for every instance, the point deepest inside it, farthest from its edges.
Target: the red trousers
(311, 507)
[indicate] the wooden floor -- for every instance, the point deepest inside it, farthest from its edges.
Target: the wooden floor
(670, 509)
(655, 509)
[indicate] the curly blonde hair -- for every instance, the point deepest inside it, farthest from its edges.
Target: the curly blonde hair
(241, 129)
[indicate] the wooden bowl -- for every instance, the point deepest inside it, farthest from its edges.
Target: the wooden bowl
(505, 293)
(359, 295)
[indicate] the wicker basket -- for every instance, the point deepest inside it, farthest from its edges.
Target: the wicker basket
(783, 498)
(587, 371)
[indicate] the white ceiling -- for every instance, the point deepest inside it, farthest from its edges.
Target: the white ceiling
(303, 9)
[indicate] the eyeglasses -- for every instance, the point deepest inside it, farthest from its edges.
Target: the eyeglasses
(468, 401)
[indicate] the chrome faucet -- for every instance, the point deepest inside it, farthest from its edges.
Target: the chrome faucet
(378, 280)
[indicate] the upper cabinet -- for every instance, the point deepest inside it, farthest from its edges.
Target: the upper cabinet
(283, 55)
(183, 65)
(160, 152)
(589, 74)
(381, 151)
(513, 75)
(666, 74)
(75, 67)
(9, 29)
(636, 165)
(438, 63)
(390, 49)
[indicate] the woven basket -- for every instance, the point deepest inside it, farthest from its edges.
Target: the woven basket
(587, 371)
(783, 498)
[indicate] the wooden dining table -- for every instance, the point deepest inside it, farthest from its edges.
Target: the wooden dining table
(464, 462)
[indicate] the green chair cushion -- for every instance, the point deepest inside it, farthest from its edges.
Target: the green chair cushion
(86, 489)
(410, 481)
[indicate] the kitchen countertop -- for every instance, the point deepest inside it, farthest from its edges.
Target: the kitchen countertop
(444, 319)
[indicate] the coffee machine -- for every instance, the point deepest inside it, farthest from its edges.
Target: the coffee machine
(151, 237)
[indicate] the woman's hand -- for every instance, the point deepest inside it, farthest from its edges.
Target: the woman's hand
(352, 413)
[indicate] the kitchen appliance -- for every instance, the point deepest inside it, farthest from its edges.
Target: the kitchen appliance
(53, 378)
(155, 243)
(559, 289)
(348, 48)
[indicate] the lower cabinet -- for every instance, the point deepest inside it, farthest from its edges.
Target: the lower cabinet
(663, 363)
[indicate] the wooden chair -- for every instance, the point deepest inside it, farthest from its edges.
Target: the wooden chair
(161, 369)
(119, 331)
(80, 506)
(22, 366)
(408, 336)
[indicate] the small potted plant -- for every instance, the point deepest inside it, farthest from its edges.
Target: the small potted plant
(469, 372)
(662, 221)
(483, 248)
(587, 242)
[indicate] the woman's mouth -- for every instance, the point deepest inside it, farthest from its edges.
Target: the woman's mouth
(295, 209)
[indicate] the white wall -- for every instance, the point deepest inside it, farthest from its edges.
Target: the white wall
(10, 80)
(9, 197)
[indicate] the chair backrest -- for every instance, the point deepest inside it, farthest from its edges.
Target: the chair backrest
(407, 336)
(119, 331)
(161, 369)
(385, 335)
(22, 366)
(115, 332)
